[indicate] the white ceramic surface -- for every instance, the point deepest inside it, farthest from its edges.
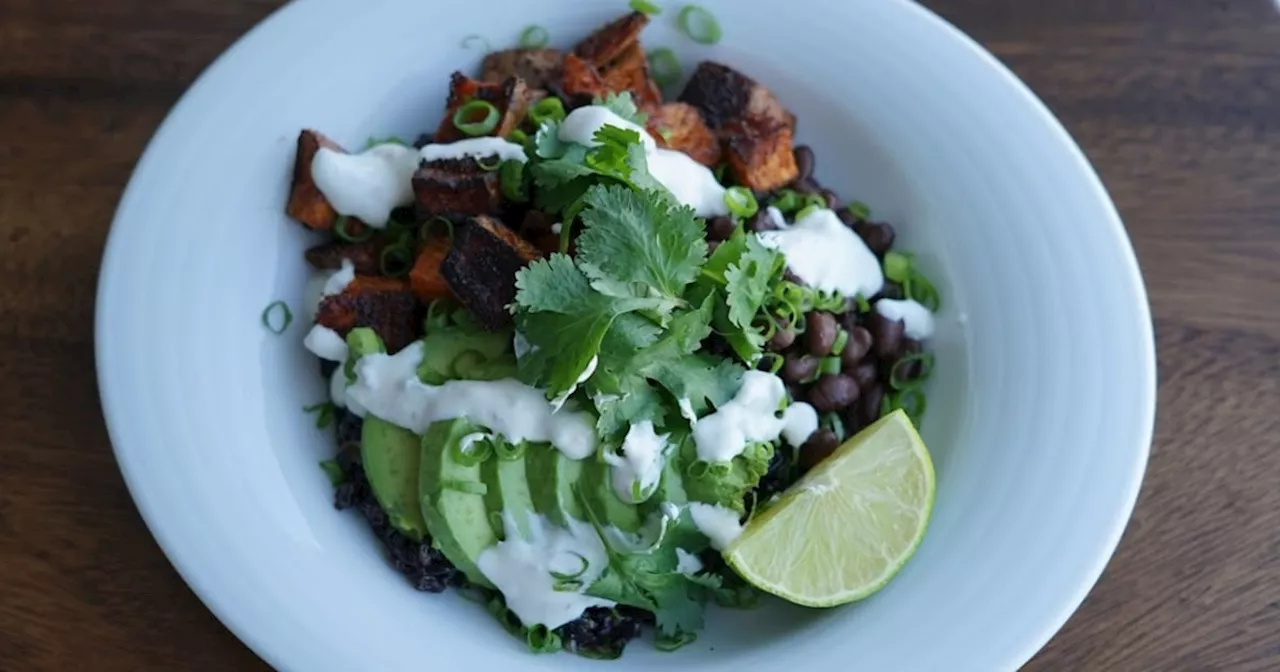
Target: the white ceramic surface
(1041, 409)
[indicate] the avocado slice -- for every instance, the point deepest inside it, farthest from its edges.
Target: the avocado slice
(453, 498)
(552, 479)
(598, 493)
(390, 455)
(454, 353)
(509, 486)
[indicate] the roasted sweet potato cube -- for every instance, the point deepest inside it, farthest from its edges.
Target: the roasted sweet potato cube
(611, 40)
(481, 268)
(760, 154)
(385, 305)
(630, 72)
(539, 68)
(580, 81)
(365, 256)
(306, 203)
(511, 97)
(724, 95)
(456, 187)
(680, 126)
(426, 278)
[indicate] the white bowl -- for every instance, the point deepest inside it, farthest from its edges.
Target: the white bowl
(1041, 409)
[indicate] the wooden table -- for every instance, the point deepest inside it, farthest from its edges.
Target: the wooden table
(1177, 102)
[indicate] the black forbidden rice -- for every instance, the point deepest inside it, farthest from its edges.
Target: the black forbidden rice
(600, 632)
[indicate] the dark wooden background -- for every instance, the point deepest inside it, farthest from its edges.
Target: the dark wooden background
(1177, 102)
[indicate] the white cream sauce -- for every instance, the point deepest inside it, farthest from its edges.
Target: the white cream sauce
(368, 185)
(916, 319)
(387, 386)
(640, 464)
(751, 416)
(475, 148)
(521, 568)
(717, 523)
(692, 183)
(827, 255)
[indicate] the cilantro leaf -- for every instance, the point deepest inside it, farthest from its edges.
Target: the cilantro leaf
(623, 105)
(564, 319)
(636, 401)
(726, 483)
(704, 381)
(547, 143)
(747, 281)
(630, 333)
(684, 335)
(633, 238)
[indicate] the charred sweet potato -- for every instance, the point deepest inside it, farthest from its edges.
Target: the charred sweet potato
(724, 95)
(539, 68)
(365, 255)
(481, 268)
(511, 96)
(426, 278)
(680, 126)
(610, 41)
(385, 305)
(580, 82)
(306, 203)
(760, 154)
(456, 187)
(630, 72)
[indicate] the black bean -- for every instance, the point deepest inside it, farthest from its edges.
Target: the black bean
(806, 186)
(908, 371)
(348, 457)
(819, 447)
(846, 215)
(832, 199)
(857, 347)
(782, 339)
(833, 392)
(869, 403)
(877, 235)
(761, 221)
(864, 374)
(887, 335)
(348, 426)
(797, 369)
(820, 333)
(891, 290)
(852, 419)
(720, 228)
(804, 161)
(790, 276)
(796, 392)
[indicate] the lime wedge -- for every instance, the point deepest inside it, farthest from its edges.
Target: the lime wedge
(846, 528)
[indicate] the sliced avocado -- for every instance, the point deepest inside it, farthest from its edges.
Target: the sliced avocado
(552, 479)
(390, 455)
(455, 353)
(453, 498)
(361, 341)
(598, 493)
(508, 486)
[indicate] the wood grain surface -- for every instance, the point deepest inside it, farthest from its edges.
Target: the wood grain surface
(1177, 102)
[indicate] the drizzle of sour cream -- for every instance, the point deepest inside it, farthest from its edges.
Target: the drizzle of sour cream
(326, 344)
(324, 284)
(751, 416)
(916, 319)
(475, 148)
(368, 185)
(388, 387)
(639, 467)
(521, 567)
(827, 255)
(717, 523)
(692, 183)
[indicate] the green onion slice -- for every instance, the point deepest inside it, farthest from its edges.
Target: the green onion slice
(542, 640)
(741, 201)
(788, 201)
(645, 7)
(477, 451)
(472, 41)
(664, 66)
(815, 200)
(396, 260)
(334, 472)
(550, 108)
(668, 643)
(775, 362)
(842, 340)
(534, 37)
(833, 422)
(324, 413)
(911, 401)
(428, 229)
(698, 469)
(518, 136)
(923, 292)
(277, 317)
(438, 315)
(489, 163)
(897, 374)
(864, 306)
(582, 569)
(808, 210)
(897, 266)
(468, 487)
(507, 450)
(830, 365)
(511, 180)
(473, 109)
(860, 210)
(699, 24)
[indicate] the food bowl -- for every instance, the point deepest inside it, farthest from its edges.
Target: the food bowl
(1041, 405)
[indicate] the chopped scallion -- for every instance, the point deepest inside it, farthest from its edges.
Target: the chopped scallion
(543, 640)
(699, 24)
(324, 413)
(833, 422)
(645, 7)
(897, 266)
(395, 260)
(864, 306)
(741, 201)
(771, 362)
(842, 340)
(860, 210)
(830, 366)
(468, 487)
(334, 472)
(506, 450)
(550, 108)
(277, 317)
(342, 229)
(898, 379)
(489, 163)
(664, 66)
(511, 179)
(472, 41)
(807, 210)
(788, 201)
(534, 37)
(468, 120)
